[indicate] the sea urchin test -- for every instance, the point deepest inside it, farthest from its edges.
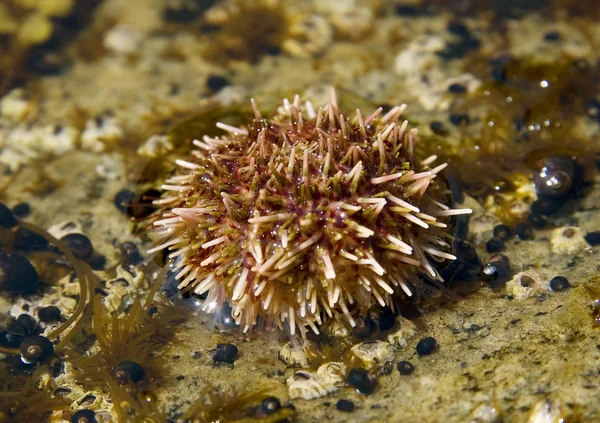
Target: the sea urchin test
(305, 216)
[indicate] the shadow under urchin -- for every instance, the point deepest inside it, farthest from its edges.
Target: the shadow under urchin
(307, 216)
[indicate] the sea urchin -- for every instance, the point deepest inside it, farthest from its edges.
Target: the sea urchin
(303, 217)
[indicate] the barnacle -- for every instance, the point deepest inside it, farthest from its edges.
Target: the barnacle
(304, 216)
(310, 385)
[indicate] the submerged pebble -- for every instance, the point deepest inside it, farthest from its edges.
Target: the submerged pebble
(537, 221)
(457, 27)
(361, 329)
(16, 331)
(552, 36)
(457, 88)
(458, 119)
(438, 128)
(123, 199)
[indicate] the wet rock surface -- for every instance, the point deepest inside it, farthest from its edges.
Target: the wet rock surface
(518, 343)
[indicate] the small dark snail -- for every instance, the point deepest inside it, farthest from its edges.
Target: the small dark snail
(84, 416)
(80, 245)
(362, 380)
(555, 176)
(35, 349)
(7, 218)
(225, 353)
(497, 269)
(129, 371)
(17, 274)
(270, 405)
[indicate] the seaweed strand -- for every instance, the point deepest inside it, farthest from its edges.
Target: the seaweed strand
(85, 277)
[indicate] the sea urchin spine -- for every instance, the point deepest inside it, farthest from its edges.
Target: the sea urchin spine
(303, 217)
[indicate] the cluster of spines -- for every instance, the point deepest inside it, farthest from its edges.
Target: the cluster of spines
(299, 217)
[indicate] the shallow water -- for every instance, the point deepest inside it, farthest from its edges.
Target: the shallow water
(102, 100)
